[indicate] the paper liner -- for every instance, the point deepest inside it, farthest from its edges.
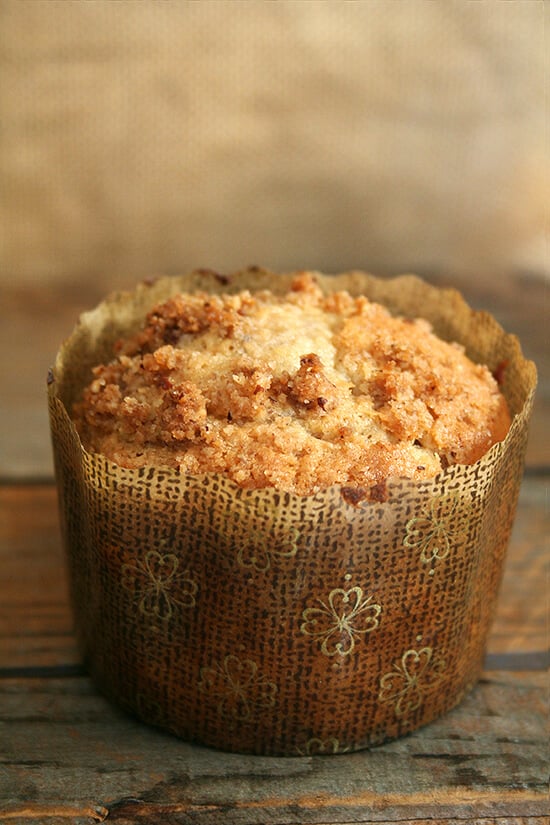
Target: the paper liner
(260, 621)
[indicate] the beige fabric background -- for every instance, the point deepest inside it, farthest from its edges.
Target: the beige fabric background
(140, 137)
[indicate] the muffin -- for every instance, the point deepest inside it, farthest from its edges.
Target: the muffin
(286, 502)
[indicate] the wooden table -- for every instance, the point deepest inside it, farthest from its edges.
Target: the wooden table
(68, 756)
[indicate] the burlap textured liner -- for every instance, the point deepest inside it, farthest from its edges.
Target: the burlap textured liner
(264, 622)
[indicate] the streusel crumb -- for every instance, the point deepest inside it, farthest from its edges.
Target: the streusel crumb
(297, 392)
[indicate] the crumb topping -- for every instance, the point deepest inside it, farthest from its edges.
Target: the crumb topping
(296, 392)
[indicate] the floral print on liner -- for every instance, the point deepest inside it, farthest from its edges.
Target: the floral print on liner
(240, 689)
(316, 747)
(413, 677)
(255, 552)
(434, 532)
(159, 584)
(264, 535)
(344, 616)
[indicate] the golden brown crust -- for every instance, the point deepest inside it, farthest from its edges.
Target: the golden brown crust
(297, 392)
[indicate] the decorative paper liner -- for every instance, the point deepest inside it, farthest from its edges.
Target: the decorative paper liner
(264, 622)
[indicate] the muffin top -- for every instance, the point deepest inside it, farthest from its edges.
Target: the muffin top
(297, 392)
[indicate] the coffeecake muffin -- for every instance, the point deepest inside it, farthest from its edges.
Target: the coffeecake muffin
(286, 502)
(296, 391)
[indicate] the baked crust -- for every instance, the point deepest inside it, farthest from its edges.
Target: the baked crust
(297, 392)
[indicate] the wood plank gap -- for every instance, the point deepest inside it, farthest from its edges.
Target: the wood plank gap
(27, 481)
(536, 471)
(44, 672)
(462, 803)
(41, 813)
(530, 660)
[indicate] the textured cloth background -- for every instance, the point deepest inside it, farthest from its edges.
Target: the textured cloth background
(145, 137)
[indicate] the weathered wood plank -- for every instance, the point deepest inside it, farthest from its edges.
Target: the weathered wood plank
(64, 746)
(36, 624)
(35, 320)
(521, 621)
(35, 620)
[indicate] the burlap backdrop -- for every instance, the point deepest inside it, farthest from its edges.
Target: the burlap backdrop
(141, 137)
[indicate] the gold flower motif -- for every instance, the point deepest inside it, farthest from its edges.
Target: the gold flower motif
(160, 586)
(414, 675)
(317, 747)
(345, 616)
(239, 688)
(432, 533)
(264, 534)
(257, 554)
